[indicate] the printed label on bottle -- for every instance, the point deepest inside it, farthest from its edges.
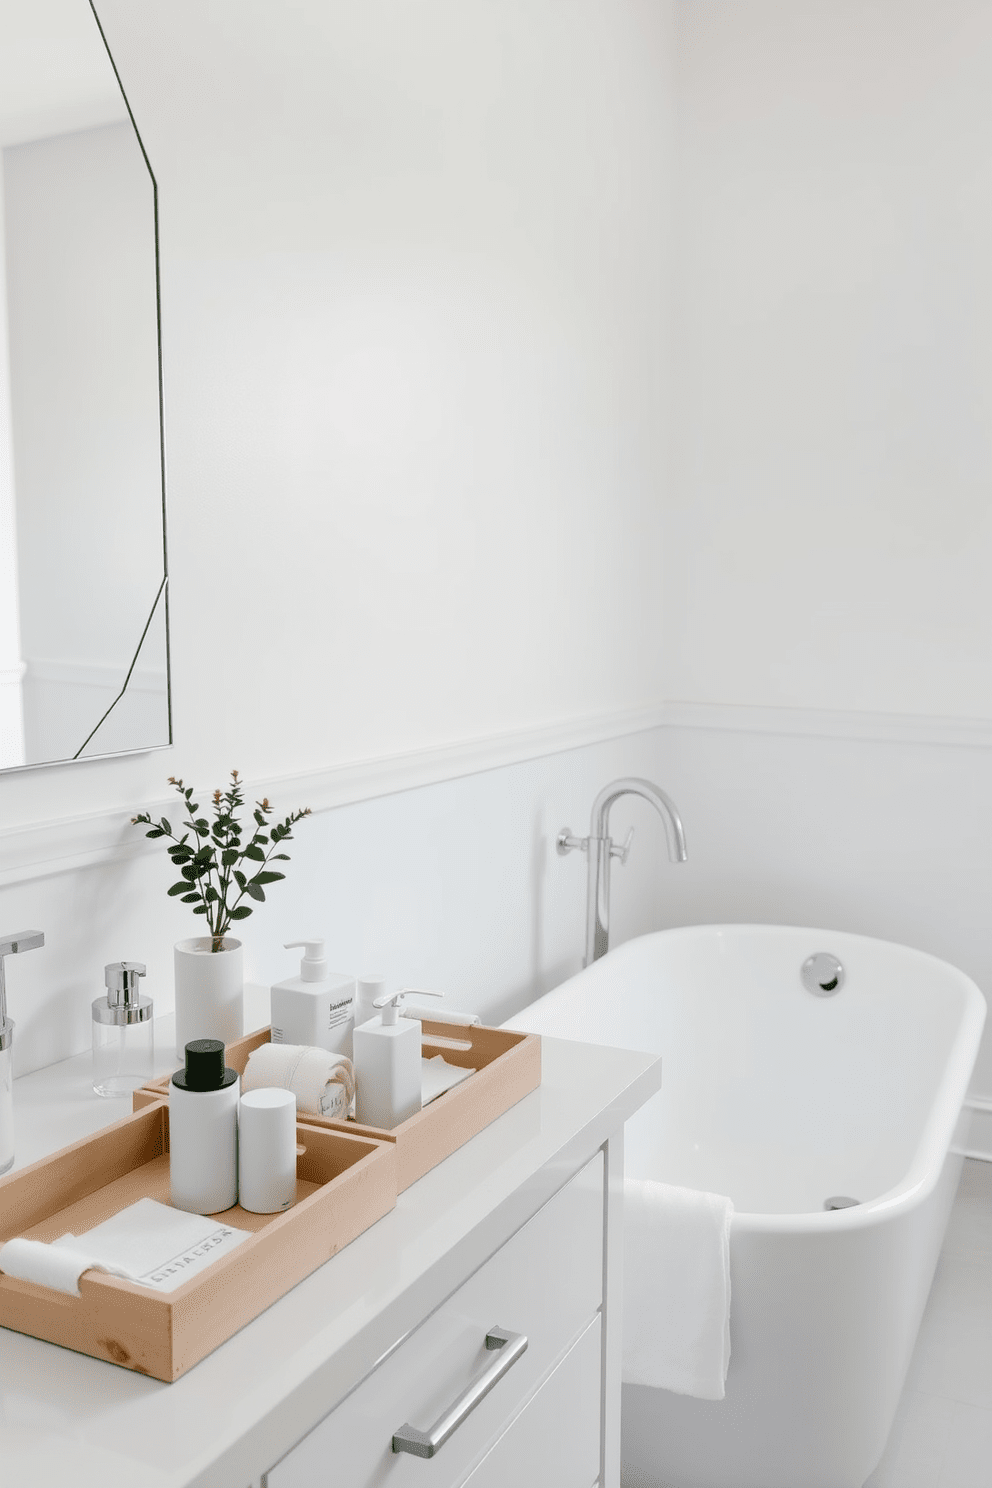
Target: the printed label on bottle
(333, 1101)
(339, 1013)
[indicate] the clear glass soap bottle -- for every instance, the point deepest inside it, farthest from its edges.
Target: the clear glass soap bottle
(123, 1032)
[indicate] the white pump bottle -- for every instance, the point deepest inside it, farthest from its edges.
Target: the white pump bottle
(388, 1065)
(316, 1008)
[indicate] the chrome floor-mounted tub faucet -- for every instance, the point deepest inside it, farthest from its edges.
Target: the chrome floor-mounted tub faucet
(600, 849)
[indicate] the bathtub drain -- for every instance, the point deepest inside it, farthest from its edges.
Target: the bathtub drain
(840, 1201)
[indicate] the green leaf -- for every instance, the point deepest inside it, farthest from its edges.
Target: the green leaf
(190, 899)
(200, 909)
(255, 890)
(229, 857)
(255, 853)
(241, 913)
(189, 873)
(277, 856)
(212, 895)
(178, 888)
(240, 878)
(166, 828)
(155, 832)
(267, 877)
(204, 855)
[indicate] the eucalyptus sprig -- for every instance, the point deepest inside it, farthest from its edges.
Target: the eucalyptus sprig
(212, 864)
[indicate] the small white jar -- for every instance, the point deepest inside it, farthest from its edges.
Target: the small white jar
(267, 1150)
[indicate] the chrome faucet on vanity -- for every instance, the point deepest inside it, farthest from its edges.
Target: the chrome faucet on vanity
(27, 940)
(600, 848)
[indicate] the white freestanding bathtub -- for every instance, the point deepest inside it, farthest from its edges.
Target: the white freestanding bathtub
(782, 1100)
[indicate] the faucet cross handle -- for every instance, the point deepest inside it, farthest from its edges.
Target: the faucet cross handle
(622, 852)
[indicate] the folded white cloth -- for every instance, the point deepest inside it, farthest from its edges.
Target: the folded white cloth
(676, 1288)
(437, 1076)
(147, 1242)
(323, 1083)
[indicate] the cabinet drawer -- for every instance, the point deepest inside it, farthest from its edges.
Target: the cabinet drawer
(545, 1282)
(554, 1442)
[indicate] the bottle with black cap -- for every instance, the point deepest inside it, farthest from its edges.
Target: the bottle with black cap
(203, 1130)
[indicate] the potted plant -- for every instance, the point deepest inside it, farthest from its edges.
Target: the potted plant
(224, 869)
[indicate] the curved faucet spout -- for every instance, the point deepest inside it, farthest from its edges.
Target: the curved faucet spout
(631, 785)
(601, 849)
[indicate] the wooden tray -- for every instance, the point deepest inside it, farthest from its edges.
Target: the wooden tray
(345, 1182)
(507, 1065)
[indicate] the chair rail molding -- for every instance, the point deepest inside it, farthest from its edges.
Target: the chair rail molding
(40, 849)
(62, 845)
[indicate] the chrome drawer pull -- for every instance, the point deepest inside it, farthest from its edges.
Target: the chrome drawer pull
(429, 1443)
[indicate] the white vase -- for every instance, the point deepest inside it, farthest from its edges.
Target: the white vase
(209, 991)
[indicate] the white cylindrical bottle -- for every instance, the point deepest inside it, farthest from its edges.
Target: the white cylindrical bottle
(203, 1130)
(267, 1150)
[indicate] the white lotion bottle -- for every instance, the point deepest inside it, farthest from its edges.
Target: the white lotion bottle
(203, 1130)
(388, 1076)
(316, 1008)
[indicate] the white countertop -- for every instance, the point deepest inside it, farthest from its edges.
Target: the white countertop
(66, 1418)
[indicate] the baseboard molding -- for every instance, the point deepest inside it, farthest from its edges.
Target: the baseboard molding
(826, 723)
(69, 843)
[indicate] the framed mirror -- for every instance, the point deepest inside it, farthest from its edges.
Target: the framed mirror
(84, 650)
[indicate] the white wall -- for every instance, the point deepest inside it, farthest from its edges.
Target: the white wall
(415, 320)
(828, 528)
(830, 534)
(11, 708)
(409, 411)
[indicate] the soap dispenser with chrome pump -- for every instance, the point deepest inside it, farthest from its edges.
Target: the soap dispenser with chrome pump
(123, 1032)
(27, 940)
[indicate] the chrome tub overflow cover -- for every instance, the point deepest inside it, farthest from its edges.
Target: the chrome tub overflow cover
(822, 974)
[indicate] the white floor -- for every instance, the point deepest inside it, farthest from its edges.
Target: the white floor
(942, 1437)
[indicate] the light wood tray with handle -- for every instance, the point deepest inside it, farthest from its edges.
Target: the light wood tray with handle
(345, 1182)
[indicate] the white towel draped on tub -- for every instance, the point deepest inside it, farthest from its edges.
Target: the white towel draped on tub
(676, 1288)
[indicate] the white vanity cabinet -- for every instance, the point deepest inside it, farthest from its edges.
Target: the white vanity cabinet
(546, 1283)
(519, 1230)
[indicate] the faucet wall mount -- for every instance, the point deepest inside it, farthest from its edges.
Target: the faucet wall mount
(600, 849)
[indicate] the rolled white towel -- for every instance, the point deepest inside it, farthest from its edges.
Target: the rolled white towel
(323, 1083)
(55, 1266)
(676, 1288)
